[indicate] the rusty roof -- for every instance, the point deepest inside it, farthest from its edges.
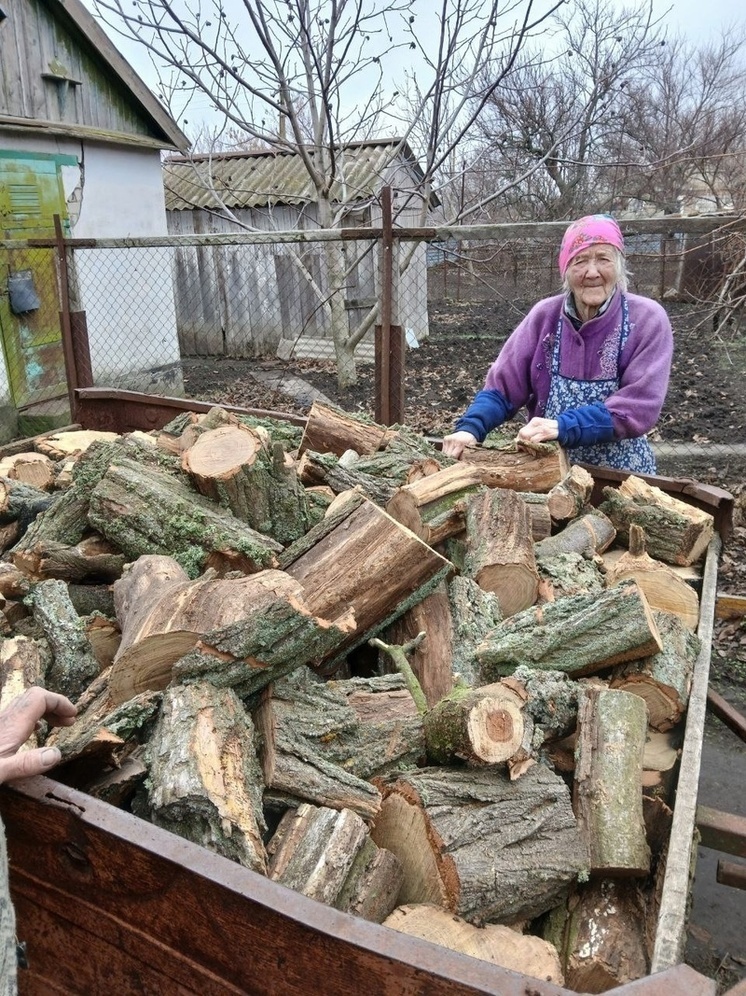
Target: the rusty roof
(260, 179)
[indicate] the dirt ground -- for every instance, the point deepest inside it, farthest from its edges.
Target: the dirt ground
(703, 414)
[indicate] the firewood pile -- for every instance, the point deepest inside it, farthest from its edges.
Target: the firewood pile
(444, 696)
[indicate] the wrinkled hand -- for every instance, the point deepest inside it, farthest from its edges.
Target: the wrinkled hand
(19, 720)
(539, 430)
(455, 444)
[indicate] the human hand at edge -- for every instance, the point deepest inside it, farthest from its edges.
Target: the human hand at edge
(455, 444)
(539, 430)
(19, 720)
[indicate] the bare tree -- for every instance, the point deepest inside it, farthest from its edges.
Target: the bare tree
(310, 76)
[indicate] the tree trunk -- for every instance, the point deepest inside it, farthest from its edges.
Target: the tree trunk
(580, 635)
(479, 845)
(675, 532)
(500, 549)
(360, 560)
(205, 780)
(238, 467)
(607, 797)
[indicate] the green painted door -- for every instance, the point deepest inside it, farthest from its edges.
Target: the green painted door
(31, 193)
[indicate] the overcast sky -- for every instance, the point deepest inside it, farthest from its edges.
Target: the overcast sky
(695, 19)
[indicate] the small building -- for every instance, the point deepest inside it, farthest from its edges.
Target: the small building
(80, 138)
(261, 297)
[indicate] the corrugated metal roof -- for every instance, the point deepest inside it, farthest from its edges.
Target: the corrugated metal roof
(259, 179)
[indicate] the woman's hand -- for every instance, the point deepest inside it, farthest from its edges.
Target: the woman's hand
(455, 444)
(19, 720)
(539, 430)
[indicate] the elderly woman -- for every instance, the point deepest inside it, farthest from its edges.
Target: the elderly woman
(591, 365)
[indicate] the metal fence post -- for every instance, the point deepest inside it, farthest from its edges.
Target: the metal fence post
(389, 352)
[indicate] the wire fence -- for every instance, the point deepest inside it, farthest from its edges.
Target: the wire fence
(143, 310)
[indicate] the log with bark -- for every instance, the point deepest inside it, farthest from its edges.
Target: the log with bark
(72, 442)
(330, 430)
(495, 943)
(500, 549)
(601, 935)
(74, 663)
(520, 466)
(21, 503)
(664, 588)
(242, 469)
(205, 782)
(663, 680)
(580, 635)
(35, 469)
(478, 725)
(675, 532)
(144, 511)
(588, 535)
(93, 560)
(434, 507)
(241, 631)
(607, 794)
(359, 559)
(571, 496)
(480, 845)
(569, 574)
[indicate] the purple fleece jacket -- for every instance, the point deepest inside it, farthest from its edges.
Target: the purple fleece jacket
(520, 374)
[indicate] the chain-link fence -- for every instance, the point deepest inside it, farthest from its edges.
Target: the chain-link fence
(144, 314)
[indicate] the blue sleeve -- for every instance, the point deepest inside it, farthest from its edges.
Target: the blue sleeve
(488, 410)
(585, 426)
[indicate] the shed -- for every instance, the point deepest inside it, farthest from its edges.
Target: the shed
(80, 137)
(262, 297)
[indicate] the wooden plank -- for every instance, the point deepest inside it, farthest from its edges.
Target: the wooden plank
(730, 873)
(722, 831)
(671, 933)
(732, 718)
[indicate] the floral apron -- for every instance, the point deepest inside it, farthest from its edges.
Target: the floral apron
(566, 392)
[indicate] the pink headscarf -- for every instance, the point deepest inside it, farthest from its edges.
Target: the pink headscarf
(586, 232)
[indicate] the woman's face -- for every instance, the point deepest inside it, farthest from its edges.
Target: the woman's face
(591, 276)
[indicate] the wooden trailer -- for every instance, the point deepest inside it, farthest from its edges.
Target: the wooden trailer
(107, 903)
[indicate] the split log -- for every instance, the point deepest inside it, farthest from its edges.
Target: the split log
(74, 665)
(118, 786)
(663, 680)
(431, 660)
(330, 430)
(481, 725)
(241, 631)
(660, 754)
(359, 559)
(205, 782)
(21, 666)
(538, 509)
(500, 549)
(589, 536)
(675, 532)
(93, 560)
(571, 496)
(434, 507)
(663, 587)
(607, 796)
(105, 638)
(187, 526)
(480, 845)
(580, 635)
(242, 469)
(520, 466)
(329, 856)
(316, 469)
(495, 943)
(9, 535)
(35, 469)
(601, 934)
